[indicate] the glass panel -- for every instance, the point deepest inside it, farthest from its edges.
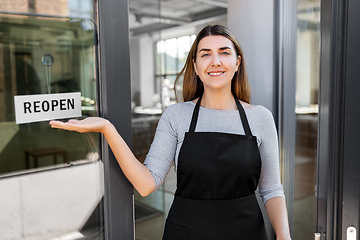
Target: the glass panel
(24, 41)
(146, 85)
(53, 177)
(307, 90)
(161, 34)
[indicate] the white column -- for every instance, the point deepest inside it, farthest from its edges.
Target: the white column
(147, 73)
(142, 69)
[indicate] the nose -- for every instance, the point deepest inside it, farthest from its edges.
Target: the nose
(215, 61)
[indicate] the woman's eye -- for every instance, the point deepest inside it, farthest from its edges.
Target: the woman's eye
(205, 55)
(225, 53)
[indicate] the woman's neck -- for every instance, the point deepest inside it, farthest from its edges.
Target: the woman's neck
(218, 100)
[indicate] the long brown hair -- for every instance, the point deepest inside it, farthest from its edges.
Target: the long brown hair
(193, 86)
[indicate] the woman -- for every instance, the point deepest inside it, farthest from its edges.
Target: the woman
(223, 149)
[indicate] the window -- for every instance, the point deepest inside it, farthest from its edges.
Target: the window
(171, 56)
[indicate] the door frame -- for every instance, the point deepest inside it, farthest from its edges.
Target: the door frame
(329, 173)
(340, 75)
(331, 118)
(115, 105)
(287, 40)
(350, 191)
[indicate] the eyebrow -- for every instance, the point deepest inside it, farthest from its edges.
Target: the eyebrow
(208, 50)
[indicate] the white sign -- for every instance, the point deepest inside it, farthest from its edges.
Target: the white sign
(43, 107)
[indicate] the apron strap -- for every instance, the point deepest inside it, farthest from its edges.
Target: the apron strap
(195, 115)
(241, 112)
(243, 118)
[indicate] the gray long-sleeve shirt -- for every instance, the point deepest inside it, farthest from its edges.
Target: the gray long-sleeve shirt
(175, 121)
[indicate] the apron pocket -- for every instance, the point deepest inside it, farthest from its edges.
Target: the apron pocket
(175, 232)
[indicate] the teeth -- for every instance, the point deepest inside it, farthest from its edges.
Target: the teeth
(215, 74)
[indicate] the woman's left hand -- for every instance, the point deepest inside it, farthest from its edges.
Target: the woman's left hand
(276, 210)
(283, 238)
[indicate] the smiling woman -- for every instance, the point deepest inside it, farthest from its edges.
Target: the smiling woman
(220, 159)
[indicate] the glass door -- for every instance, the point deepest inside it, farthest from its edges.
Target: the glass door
(161, 34)
(51, 180)
(146, 110)
(307, 95)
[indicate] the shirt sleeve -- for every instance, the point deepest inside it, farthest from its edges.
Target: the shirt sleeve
(162, 151)
(269, 183)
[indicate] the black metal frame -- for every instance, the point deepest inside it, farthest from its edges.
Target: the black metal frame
(349, 184)
(286, 98)
(331, 118)
(331, 111)
(115, 99)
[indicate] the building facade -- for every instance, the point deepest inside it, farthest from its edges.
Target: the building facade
(123, 56)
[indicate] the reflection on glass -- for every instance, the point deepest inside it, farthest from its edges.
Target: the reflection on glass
(53, 177)
(307, 90)
(23, 47)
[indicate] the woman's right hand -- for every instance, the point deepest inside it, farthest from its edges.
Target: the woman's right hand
(90, 124)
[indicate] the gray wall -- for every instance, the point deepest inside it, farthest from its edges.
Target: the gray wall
(254, 24)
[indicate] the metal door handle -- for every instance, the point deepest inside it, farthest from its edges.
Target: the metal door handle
(351, 233)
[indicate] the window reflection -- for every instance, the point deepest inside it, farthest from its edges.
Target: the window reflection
(23, 42)
(52, 178)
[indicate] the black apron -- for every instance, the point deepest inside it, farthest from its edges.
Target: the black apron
(217, 175)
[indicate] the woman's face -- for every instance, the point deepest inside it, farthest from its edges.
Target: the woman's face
(216, 62)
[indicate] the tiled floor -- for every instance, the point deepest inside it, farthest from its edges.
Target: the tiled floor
(304, 218)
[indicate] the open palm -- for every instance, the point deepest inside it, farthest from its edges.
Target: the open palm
(90, 124)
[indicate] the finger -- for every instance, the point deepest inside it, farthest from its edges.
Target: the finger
(55, 123)
(62, 125)
(66, 126)
(71, 125)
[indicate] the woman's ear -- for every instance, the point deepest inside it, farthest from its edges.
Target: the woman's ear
(194, 63)
(238, 62)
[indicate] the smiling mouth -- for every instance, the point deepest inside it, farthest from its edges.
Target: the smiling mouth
(215, 73)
